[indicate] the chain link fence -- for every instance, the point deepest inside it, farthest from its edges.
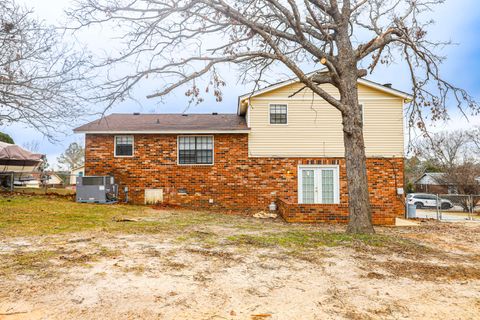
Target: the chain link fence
(444, 207)
(36, 182)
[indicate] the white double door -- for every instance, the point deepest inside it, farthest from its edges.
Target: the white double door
(318, 184)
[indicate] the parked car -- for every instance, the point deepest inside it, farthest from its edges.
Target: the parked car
(425, 200)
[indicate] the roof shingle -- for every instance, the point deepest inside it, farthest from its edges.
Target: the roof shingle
(117, 123)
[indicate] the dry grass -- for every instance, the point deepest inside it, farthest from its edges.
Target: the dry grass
(63, 260)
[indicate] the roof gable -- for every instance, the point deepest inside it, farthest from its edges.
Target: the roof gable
(241, 108)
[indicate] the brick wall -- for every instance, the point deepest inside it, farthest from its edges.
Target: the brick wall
(235, 181)
(334, 213)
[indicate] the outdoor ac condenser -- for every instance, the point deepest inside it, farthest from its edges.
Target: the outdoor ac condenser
(97, 189)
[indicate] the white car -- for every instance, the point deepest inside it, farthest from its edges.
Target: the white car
(425, 200)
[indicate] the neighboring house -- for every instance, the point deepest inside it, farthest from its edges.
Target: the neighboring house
(279, 147)
(431, 182)
(75, 173)
(53, 180)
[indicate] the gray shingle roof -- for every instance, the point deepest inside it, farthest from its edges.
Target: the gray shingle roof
(152, 123)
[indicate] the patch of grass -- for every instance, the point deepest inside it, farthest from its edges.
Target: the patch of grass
(35, 215)
(137, 269)
(108, 253)
(35, 263)
(174, 265)
(311, 239)
(425, 271)
(41, 263)
(208, 239)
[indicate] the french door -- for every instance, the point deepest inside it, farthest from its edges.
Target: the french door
(318, 184)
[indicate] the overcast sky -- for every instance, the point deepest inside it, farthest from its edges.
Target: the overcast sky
(456, 20)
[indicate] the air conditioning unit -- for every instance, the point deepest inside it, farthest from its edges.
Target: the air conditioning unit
(97, 189)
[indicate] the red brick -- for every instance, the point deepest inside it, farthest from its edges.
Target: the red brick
(236, 181)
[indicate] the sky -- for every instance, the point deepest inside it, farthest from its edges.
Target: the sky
(458, 21)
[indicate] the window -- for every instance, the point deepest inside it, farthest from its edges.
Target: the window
(327, 186)
(123, 146)
(278, 114)
(195, 150)
(318, 184)
(308, 186)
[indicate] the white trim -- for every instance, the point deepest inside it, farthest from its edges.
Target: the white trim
(321, 155)
(132, 132)
(272, 87)
(336, 183)
(323, 101)
(365, 82)
(195, 164)
(383, 88)
(269, 119)
(115, 145)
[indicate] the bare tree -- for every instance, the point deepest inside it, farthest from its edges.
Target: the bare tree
(40, 78)
(464, 178)
(455, 154)
(178, 42)
(446, 149)
(73, 157)
(32, 145)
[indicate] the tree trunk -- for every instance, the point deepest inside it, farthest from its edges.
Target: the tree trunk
(356, 162)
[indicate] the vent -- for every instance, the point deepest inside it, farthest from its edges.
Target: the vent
(388, 85)
(153, 196)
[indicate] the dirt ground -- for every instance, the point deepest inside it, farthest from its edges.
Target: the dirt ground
(211, 266)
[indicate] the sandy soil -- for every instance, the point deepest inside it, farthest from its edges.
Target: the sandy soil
(97, 275)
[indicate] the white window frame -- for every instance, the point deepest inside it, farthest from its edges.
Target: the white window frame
(336, 183)
(277, 124)
(115, 146)
(195, 164)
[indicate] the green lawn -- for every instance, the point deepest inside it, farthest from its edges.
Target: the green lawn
(37, 215)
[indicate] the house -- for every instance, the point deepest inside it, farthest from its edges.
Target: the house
(76, 172)
(432, 182)
(279, 147)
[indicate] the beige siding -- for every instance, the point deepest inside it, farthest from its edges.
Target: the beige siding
(315, 128)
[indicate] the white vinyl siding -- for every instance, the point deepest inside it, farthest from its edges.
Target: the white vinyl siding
(315, 127)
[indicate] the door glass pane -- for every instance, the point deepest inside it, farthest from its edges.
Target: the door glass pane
(308, 186)
(327, 186)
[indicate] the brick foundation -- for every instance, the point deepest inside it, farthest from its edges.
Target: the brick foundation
(331, 213)
(236, 181)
